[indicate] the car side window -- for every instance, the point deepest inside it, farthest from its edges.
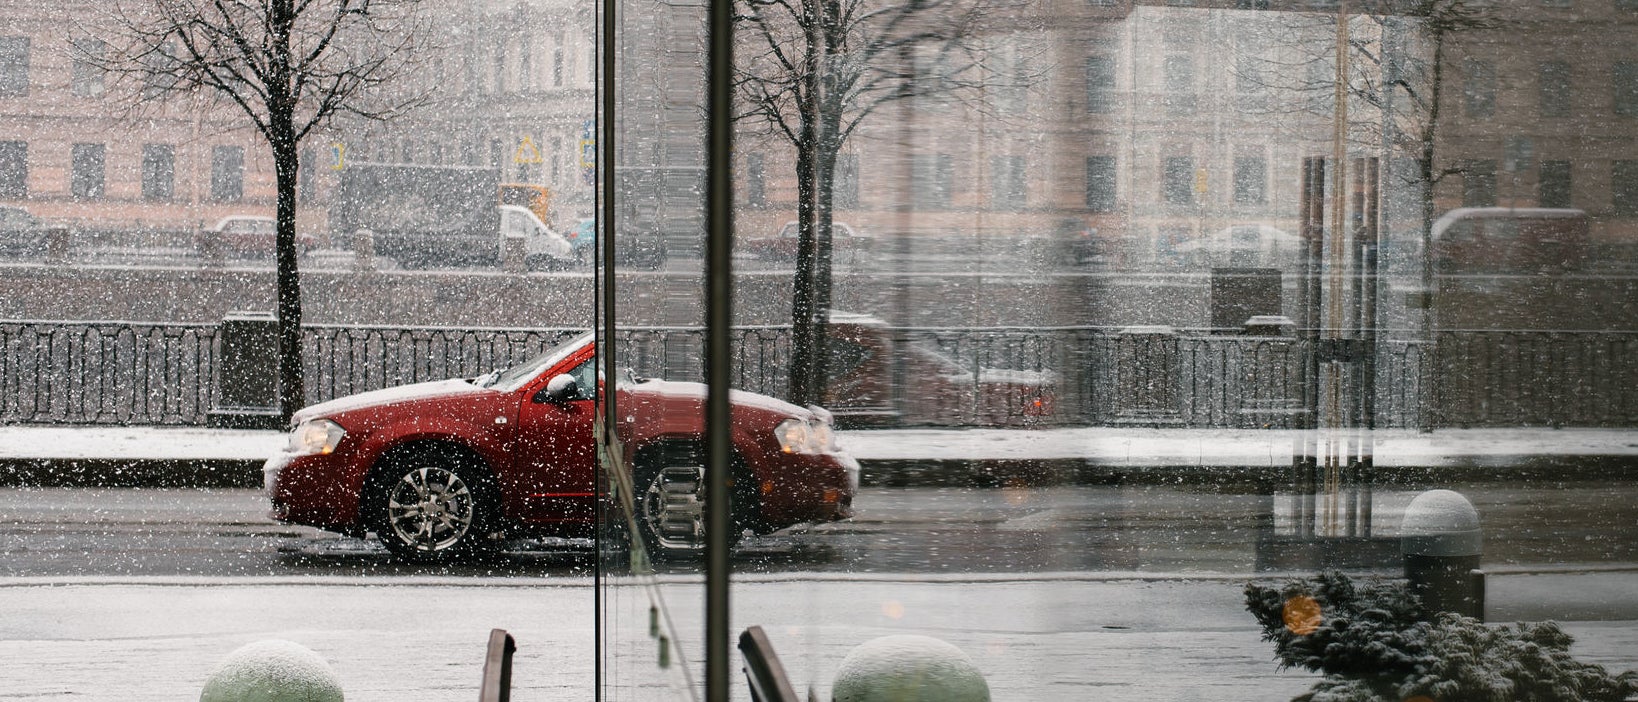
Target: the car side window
(585, 379)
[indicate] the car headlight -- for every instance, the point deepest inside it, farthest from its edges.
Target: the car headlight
(793, 435)
(316, 436)
(821, 437)
(798, 436)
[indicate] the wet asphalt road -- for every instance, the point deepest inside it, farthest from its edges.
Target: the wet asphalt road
(1155, 529)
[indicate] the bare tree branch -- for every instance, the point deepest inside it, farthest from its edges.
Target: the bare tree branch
(290, 66)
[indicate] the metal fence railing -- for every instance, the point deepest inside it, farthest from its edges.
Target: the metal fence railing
(106, 372)
(55, 372)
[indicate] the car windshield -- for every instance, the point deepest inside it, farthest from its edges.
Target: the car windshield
(514, 377)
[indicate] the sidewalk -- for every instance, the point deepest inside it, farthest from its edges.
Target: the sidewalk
(190, 456)
(1071, 637)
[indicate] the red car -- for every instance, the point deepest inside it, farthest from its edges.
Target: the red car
(446, 469)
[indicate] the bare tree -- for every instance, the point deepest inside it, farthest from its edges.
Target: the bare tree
(812, 71)
(290, 66)
(1398, 69)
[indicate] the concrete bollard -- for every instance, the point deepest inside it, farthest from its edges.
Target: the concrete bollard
(514, 254)
(273, 670)
(57, 245)
(908, 668)
(363, 250)
(1442, 542)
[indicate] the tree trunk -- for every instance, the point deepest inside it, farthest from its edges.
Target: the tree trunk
(804, 356)
(1431, 176)
(824, 248)
(806, 382)
(292, 390)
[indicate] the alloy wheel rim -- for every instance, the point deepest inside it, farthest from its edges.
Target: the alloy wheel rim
(430, 509)
(673, 507)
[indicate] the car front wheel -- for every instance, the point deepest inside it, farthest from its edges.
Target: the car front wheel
(670, 497)
(432, 507)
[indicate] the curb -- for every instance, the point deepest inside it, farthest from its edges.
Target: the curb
(964, 473)
(130, 473)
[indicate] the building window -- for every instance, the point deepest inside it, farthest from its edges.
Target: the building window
(934, 176)
(1177, 181)
(556, 158)
(159, 171)
(1179, 84)
(1100, 84)
(13, 66)
(1554, 188)
(87, 71)
(500, 67)
(1008, 183)
(1479, 184)
(227, 174)
(1624, 188)
(1250, 90)
(756, 194)
(844, 190)
(1625, 83)
(304, 177)
(13, 169)
(1250, 4)
(1250, 180)
(1553, 80)
(1100, 183)
(87, 171)
(1007, 78)
(158, 71)
(1479, 88)
(557, 67)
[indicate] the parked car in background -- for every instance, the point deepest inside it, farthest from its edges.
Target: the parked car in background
(21, 233)
(847, 244)
(253, 236)
(583, 238)
(423, 216)
(445, 469)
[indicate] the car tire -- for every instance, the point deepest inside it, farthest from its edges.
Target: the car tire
(669, 498)
(432, 505)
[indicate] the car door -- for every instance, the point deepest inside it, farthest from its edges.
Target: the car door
(553, 458)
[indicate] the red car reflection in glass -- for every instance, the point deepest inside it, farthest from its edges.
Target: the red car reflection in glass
(847, 245)
(939, 387)
(447, 469)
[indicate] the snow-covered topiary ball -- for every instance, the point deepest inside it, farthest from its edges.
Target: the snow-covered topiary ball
(272, 671)
(908, 668)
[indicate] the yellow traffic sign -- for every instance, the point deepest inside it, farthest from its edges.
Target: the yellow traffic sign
(527, 152)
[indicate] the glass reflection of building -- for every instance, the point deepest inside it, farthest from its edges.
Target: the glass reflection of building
(1113, 155)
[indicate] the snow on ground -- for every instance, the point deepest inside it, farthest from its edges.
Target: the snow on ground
(1104, 445)
(394, 639)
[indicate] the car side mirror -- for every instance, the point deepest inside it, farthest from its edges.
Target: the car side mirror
(560, 389)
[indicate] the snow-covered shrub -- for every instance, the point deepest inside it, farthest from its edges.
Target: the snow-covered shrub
(1373, 644)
